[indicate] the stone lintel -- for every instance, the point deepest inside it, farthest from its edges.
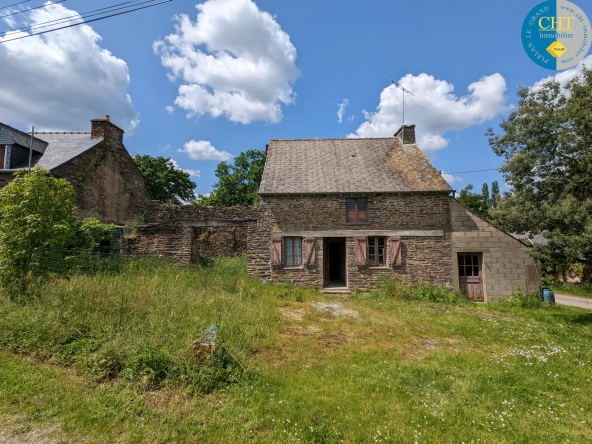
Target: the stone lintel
(354, 233)
(219, 223)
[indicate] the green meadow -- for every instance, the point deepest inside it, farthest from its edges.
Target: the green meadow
(108, 357)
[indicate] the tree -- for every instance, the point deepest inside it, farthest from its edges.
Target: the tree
(476, 202)
(495, 194)
(547, 146)
(485, 194)
(238, 183)
(165, 182)
(37, 222)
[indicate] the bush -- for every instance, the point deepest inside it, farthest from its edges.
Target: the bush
(521, 300)
(392, 287)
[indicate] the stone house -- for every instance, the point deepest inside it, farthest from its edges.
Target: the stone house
(107, 182)
(340, 214)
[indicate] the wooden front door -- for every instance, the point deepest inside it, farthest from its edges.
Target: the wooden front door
(470, 275)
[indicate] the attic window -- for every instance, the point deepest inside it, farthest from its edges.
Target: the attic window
(356, 209)
(2, 156)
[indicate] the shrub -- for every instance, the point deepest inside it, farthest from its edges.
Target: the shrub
(392, 287)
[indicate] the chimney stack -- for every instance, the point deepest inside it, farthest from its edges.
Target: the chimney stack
(104, 129)
(406, 134)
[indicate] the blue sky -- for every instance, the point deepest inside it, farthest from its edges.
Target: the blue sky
(242, 73)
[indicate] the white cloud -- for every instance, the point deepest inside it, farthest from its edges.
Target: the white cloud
(192, 173)
(435, 109)
(450, 178)
(170, 109)
(233, 61)
(60, 80)
(341, 110)
(203, 150)
(565, 76)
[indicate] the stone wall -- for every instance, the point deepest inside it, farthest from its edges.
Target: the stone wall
(108, 184)
(422, 220)
(183, 233)
(505, 263)
(6, 178)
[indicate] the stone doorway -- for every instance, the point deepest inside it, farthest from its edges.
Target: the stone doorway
(334, 275)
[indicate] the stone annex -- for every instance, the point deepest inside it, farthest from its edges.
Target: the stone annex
(107, 182)
(339, 214)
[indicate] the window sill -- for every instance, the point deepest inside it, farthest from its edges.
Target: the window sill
(358, 223)
(378, 267)
(293, 267)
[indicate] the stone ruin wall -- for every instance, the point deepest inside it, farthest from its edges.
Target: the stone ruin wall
(186, 233)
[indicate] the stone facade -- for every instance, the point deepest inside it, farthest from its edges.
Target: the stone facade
(422, 220)
(433, 227)
(107, 182)
(506, 265)
(184, 233)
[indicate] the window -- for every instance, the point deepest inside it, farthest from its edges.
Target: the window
(376, 251)
(293, 251)
(2, 154)
(356, 209)
(468, 265)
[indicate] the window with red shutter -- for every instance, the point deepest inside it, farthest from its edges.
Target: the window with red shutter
(376, 252)
(356, 209)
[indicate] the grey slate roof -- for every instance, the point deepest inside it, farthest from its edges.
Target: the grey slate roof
(530, 238)
(64, 147)
(347, 166)
(19, 138)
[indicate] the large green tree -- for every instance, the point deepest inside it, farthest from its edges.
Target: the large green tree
(238, 184)
(164, 181)
(547, 147)
(37, 223)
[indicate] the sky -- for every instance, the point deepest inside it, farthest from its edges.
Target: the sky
(200, 82)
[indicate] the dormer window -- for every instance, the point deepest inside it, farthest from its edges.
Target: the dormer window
(356, 209)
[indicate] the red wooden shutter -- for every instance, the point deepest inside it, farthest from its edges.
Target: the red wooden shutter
(361, 250)
(276, 252)
(395, 251)
(309, 258)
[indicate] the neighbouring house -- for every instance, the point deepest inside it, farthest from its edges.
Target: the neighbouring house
(108, 184)
(340, 214)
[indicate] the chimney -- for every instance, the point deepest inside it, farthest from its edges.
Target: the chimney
(104, 129)
(406, 134)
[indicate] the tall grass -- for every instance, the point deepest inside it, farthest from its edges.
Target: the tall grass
(392, 287)
(138, 322)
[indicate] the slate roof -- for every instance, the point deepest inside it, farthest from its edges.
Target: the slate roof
(347, 166)
(20, 138)
(63, 147)
(530, 238)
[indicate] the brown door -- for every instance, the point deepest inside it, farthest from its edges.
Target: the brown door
(326, 272)
(470, 275)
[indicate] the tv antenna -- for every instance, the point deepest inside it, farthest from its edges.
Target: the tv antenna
(405, 90)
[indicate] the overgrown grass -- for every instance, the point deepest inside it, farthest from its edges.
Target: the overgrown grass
(421, 365)
(584, 290)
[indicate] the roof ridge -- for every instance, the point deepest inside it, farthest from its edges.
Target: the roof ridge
(60, 132)
(335, 138)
